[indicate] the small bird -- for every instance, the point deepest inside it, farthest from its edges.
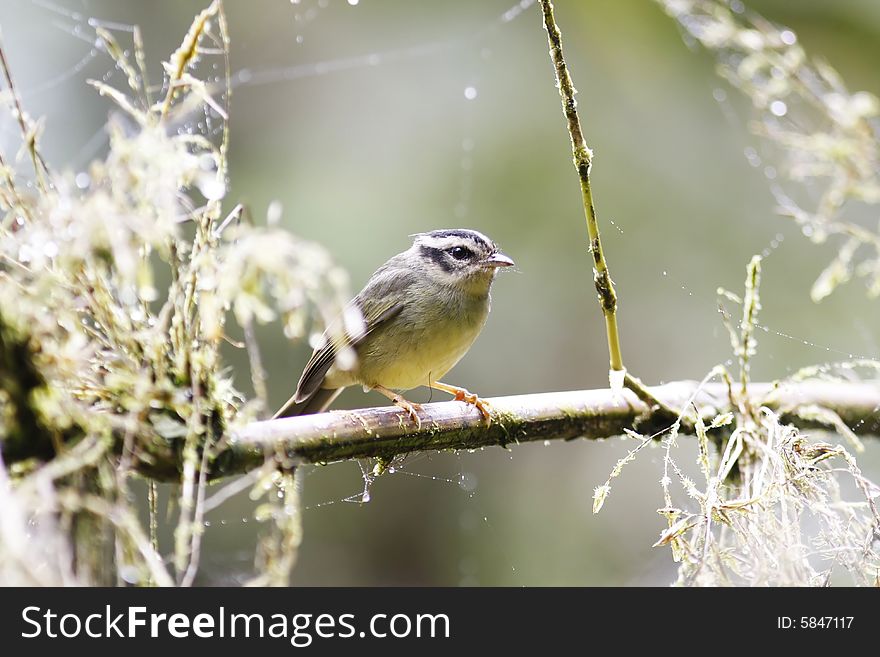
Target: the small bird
(422, 310)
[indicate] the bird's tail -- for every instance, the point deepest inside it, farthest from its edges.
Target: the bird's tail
(317, 402)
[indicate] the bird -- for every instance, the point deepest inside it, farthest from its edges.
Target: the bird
(422, 311)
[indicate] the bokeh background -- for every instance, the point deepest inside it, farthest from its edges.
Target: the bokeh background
(368, 121)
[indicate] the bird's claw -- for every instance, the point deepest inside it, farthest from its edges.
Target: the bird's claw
(411, 409)
(474, 400)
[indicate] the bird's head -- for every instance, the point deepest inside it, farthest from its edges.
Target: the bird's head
(459, 257)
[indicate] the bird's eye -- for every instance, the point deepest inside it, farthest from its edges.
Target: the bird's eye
(459, 253)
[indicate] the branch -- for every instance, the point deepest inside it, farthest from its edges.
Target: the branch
(386, 432)
(583, 161)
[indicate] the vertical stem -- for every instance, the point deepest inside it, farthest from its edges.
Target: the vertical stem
(29, 138)
(751, 306)
(258, 372)
(583, 158)
(15, 201)
(153, 502)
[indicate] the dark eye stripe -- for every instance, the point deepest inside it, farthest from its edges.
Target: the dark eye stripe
(437, 256)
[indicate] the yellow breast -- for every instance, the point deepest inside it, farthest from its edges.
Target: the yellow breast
(402, 357)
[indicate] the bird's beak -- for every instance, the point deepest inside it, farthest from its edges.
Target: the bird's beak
(498, 260)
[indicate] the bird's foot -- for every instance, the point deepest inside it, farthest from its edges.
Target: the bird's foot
(412, 409)
(463, 395)
(480, 404)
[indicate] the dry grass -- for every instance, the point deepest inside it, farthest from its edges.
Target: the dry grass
(827, 136)
(115, 293)
(770, 506)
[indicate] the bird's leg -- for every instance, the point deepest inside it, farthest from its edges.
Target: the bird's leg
(411, 408)
(467, 397)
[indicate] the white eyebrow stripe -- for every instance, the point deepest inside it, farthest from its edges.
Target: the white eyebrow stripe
(441, 242)
(448, 242)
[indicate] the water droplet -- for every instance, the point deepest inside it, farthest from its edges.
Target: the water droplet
(211, 187)
(353, 3)
(82, 180)
(470, 93)
(788, 37)
(778, 108)
(207, 162)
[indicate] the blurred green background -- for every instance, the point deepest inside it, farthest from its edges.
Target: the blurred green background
(455, 121)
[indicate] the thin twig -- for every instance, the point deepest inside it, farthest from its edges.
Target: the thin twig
(583, 159)
(232, 489)
(583, 162)
(195, 549)
(27, 134)
(16, 201)
(258, 373)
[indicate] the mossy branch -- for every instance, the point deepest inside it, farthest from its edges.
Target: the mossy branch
(593, 414)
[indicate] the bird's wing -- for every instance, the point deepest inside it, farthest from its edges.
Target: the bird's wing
(375, 313)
